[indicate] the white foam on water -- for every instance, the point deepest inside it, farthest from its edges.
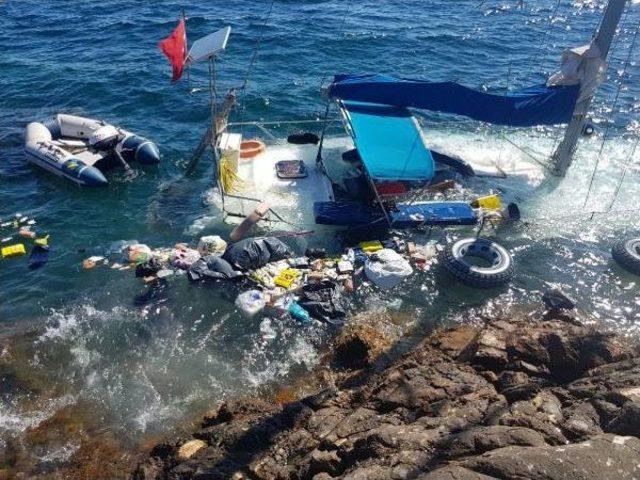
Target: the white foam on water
(206, 221)
(12, 419)
(60, 454)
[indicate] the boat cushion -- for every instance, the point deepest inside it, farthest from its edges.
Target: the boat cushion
(404, 216)
(433, 213)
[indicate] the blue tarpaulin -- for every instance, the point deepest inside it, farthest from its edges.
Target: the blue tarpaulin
(389, 142)
(536, 105)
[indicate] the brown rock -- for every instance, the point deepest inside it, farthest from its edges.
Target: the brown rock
(454, 472)
(628, 421)
(490, 351)
(603, 457)
(358, 346)
(189, 449)
(482, 439)
(504, 401)
(454, 341)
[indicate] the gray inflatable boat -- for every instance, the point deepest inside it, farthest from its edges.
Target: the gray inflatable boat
(80, 149)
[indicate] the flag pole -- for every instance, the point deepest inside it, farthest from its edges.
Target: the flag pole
(186, 48)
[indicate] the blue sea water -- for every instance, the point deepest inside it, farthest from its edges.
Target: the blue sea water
(150, 364)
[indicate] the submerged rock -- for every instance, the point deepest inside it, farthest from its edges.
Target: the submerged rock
(358, 346)
(513, 399)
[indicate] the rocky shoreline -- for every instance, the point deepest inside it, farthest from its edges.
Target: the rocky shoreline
(537, 397)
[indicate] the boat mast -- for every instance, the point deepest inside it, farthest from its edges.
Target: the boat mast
(563, 156)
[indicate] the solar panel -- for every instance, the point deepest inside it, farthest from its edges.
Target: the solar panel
(206, 47)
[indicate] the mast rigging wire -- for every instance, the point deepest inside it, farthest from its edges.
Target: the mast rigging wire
(613, 109)
(254, 56)
(545, 38)
(624, 173)
(339, 32)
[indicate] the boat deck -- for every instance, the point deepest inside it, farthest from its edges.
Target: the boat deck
(292, 199)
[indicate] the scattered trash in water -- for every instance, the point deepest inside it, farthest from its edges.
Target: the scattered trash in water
(22, 226)
(39, 256)
(16, 250)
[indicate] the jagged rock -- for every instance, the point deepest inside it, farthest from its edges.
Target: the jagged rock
(525, 414)
(601, 457)
(628, 420)
(454, 472)
(580, 421)
(517, 385)
(319, 461)
(482, 439)
(491, 350)
(508, 400)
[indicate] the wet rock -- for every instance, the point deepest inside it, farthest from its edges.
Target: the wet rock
(555, 299)
(238, 408)
(358, 346)
(454, 341)
(513, 399)
(320, 399)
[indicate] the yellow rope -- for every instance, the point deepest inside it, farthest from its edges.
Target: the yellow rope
(229, 178)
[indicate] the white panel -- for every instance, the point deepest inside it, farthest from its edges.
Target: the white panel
(206, 47)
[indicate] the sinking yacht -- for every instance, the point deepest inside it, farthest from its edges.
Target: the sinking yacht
(384, 172)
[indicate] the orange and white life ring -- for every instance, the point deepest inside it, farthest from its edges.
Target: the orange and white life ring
(251, 148)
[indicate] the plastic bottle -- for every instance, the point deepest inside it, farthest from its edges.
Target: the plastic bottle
(299, 313)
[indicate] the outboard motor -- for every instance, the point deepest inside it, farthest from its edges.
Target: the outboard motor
(105, 139)
(127, 147)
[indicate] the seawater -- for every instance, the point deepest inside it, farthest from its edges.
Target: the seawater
(87, 336)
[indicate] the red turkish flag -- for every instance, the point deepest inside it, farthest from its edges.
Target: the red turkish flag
(175, 49)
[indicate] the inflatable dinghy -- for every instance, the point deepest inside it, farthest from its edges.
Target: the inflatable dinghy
(80, 149)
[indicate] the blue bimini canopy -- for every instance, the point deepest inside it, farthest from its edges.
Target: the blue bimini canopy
(389, 142)
(537, 105)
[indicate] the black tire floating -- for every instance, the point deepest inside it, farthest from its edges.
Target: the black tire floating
(626, 253)
(500, 271)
